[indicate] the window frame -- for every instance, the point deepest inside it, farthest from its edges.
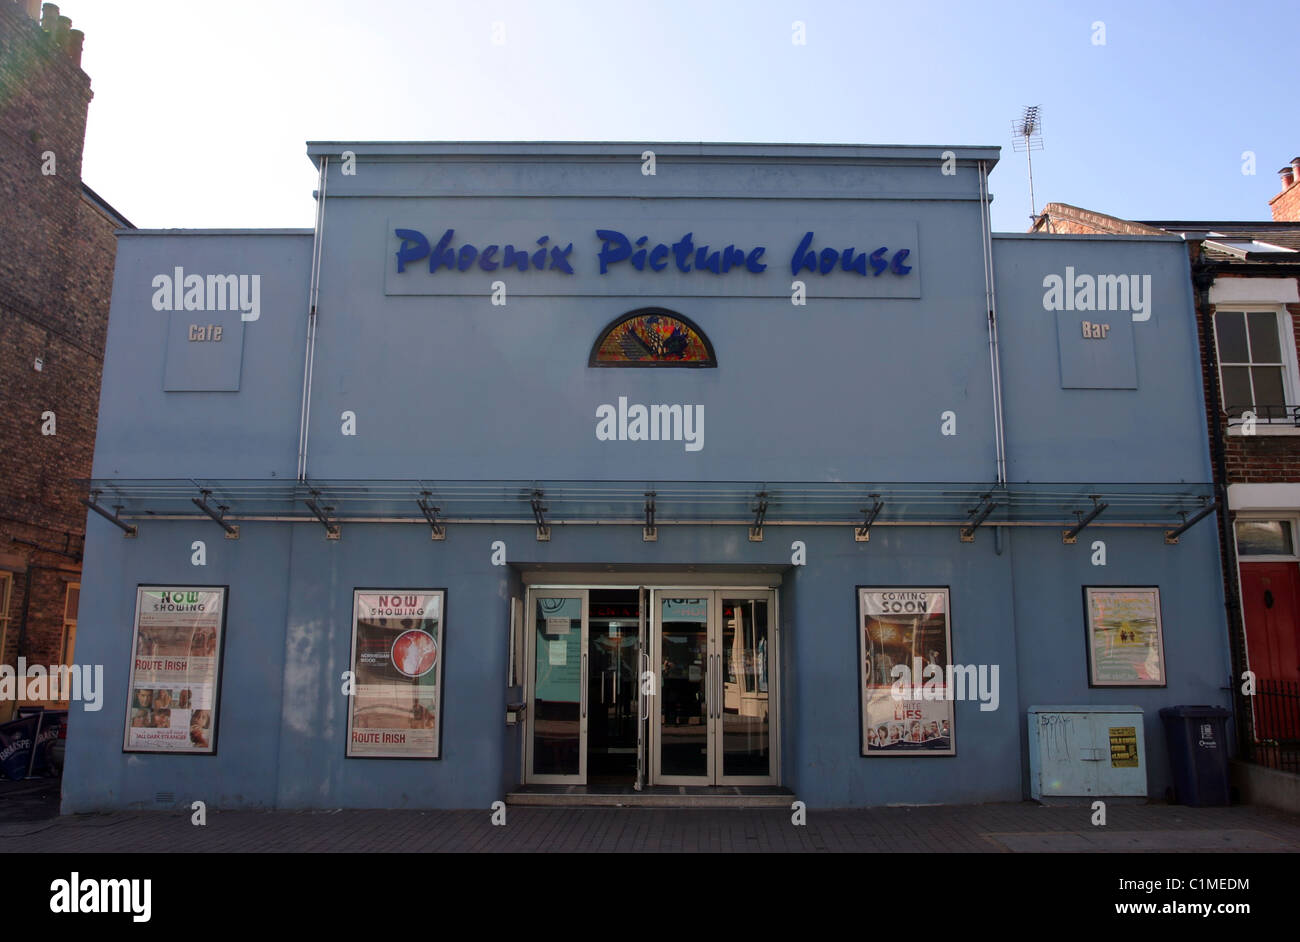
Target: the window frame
(1289, 517)
(6, 595)
(1285, 327)
(67, 651)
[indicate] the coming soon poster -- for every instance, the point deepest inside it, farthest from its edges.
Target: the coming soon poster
(905, 628)
(175, 669)
(397, 644)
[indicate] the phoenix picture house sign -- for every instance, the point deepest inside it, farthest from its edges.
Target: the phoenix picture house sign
(451, 254)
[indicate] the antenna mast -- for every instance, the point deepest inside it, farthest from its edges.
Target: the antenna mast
(1029, 138)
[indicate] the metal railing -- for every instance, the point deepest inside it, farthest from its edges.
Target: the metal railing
(1265, 414)
(1276, 739)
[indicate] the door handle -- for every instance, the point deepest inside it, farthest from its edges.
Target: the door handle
(709, 686)
(721, 690)
(582, 686)
(643, 698)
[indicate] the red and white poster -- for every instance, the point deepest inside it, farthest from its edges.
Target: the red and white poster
(396, 696)
(175, 669)
(906, 651)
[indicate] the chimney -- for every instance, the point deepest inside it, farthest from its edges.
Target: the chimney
(33, 9)
(49, 14)
(75, 38)
(62, 26)
(1286, 205)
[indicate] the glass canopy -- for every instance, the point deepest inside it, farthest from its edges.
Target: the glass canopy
(696, 502)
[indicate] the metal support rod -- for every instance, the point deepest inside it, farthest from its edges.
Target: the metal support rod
(539, 517)
(649, 533)
(437, 529)
(756, 531)
(863, 533)
(1070, 534)
(1171, 536)
(978, 516)
(232, 532)
(127, 528)
(321, 514)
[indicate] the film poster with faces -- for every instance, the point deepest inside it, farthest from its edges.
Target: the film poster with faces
(907, 628)
(175, 669)
(397, 666)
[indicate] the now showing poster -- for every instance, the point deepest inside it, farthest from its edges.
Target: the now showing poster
(1126, 645)
(906, 655)
(396, 701)
(175, 669)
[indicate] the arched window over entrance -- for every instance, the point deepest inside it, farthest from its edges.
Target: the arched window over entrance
(652, 336)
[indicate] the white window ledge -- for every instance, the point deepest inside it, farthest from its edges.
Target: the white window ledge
(1264, 431)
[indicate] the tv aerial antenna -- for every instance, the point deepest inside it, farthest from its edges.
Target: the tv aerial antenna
(1028, 131)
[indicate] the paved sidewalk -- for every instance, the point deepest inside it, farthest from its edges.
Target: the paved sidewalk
(996, 828)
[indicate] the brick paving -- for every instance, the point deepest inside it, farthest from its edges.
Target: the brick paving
(995, 828)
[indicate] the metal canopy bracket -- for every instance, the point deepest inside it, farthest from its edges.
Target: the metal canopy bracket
(977, 515)
(219, 515)
(128, 531)
(1171, 536)
(539, 515)
(862, 534)
(332, 531)
(649, 533)
(760, 511)
(1069, 536)
(437, 531)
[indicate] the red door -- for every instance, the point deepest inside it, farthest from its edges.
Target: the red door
(1270, 598)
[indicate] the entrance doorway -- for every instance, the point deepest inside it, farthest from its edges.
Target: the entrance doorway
(633, 685)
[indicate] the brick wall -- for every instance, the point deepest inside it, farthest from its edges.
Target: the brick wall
(1286, 205)
(56, 274)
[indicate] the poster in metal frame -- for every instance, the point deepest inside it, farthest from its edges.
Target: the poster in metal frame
(1126, 644)
(178, 639)
(896, 626)
(398, 649)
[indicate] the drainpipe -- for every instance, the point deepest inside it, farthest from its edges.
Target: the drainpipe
(995, 361)
(313, 295)
(1202, 280)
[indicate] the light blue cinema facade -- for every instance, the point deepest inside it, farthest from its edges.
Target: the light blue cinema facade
(377, 362)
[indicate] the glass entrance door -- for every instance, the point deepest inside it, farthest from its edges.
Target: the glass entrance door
(744, 722)
(713, 655)
(683, 661)
(557, 719)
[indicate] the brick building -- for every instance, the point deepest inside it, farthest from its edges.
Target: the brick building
(1246, 280)
(56, 275)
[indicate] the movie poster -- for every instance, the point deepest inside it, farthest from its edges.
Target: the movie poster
(905, 628)
(1125, 641)
(175, 669)
(397, 646)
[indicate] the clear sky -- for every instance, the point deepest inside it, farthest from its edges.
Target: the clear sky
(202, 109)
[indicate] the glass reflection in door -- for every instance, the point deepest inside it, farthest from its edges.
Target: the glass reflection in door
(683, 729)
(744, 717)
(558, 713)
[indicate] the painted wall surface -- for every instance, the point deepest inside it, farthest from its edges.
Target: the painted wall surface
(145, 432)
(489, 383)
(449, 386)
(1153, 433)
